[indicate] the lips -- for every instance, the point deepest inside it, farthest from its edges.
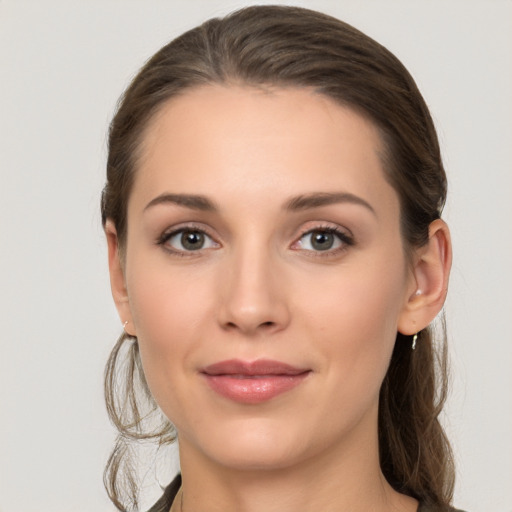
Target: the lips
(253, 382)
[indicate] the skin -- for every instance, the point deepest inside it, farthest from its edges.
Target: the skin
(259, 289)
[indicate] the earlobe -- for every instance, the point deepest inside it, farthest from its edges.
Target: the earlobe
(117, 278)
(430, 273)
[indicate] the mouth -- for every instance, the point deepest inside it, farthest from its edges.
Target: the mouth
(253, 382)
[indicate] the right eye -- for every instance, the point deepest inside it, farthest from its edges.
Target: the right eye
(188, 240)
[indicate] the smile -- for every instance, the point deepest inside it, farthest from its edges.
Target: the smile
(253, 382)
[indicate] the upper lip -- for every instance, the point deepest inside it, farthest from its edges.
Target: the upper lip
(251, 368)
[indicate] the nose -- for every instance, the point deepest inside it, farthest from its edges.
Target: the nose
(253, 295)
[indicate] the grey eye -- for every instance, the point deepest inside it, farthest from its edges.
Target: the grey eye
(320, 240)
(190, 240)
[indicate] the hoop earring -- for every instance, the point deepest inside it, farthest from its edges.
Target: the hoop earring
(124, 326)
(414, 339)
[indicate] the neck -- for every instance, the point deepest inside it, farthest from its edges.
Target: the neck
(329, 482)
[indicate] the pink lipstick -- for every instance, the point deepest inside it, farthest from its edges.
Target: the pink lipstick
(253, 382)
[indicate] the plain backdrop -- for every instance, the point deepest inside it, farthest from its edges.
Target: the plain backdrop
(63, 66)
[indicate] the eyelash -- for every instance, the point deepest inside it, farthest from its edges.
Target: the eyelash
(345, 239)
(167, 235)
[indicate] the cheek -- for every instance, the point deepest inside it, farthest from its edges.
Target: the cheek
(169, 309)
(358, 301)
(354, 318)
(167, 301)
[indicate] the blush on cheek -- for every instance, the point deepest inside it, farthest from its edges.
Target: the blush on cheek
(360, 328)
(168, 323)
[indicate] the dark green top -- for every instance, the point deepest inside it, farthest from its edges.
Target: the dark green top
(165, 502)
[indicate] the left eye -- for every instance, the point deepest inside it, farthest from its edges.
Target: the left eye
(187, 240)
(320, 240)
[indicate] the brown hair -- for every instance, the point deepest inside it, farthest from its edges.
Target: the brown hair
(295, 47)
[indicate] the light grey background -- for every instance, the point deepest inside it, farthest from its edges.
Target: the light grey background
(62, 67)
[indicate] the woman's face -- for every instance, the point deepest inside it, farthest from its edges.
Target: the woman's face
(261, 229)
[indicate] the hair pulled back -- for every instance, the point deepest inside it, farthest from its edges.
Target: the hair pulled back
(295, 47)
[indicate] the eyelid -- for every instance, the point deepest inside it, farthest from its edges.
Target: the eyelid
(344, 235)
(320, 225)
(186, 226)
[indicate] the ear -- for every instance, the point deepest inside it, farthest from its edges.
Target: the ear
(117, 278)
(429, 284)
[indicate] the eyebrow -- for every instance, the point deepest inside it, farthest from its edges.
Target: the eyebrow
(318, 199)
(298, 203)
(194, 202)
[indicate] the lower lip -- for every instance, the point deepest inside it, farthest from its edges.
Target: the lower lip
(253, 389)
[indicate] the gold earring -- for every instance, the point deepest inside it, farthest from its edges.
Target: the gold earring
(124, 326)
(414, 339)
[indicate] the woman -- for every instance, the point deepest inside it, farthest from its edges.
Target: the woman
(272, 211)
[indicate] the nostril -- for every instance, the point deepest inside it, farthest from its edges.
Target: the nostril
(263, 325)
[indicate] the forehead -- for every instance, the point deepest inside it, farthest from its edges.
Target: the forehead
(240, 140)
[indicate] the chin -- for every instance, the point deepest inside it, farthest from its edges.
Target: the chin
(256, 458)
(254, 445)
